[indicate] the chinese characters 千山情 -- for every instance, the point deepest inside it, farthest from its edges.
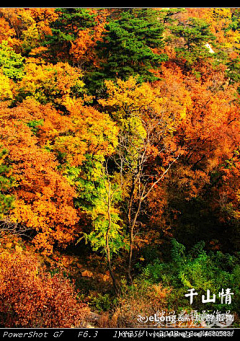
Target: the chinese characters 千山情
(225, 295)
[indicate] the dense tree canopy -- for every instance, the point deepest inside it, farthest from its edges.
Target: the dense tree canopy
(119, 133)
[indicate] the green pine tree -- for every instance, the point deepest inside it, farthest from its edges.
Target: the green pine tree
(127, 47)
(196, 34)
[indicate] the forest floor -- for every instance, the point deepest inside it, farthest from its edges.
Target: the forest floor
(90, 274)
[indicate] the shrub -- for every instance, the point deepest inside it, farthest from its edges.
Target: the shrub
(141, 298)
(31, 297)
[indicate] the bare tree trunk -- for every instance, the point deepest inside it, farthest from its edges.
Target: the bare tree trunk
(131, 230)
(115, 285)
(132, 241)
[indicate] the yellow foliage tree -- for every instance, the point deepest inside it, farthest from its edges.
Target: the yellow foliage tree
(50, 83)
(146, 124)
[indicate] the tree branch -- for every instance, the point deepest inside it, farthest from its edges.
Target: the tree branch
(160, 178)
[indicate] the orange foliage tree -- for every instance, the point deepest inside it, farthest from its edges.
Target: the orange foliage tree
(208, 169)
(45, 150)
(44, 198)
(25, 28)
(83, 47)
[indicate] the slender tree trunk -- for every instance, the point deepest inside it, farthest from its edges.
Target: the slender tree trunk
(133, 224)
(115, 285)
(131, 228)
(143, 194)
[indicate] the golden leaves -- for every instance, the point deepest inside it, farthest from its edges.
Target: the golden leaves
(44, 198)
(6, 87)
(93, 132)
(50, 82)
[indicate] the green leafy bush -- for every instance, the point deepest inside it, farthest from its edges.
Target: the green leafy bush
(11, 62)
(101, 302)
(200, 270)
(6, 182)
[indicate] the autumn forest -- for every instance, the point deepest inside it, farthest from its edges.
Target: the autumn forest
(119, 164)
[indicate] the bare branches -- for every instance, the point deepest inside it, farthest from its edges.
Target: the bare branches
(160, 178)
(7, 225)
(133, 158)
